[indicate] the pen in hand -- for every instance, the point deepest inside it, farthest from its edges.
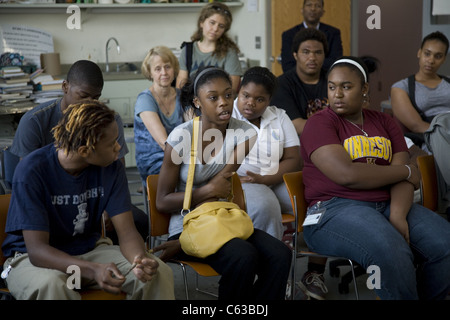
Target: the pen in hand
(129, 270)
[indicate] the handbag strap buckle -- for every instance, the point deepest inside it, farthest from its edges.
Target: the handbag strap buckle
(184, 212)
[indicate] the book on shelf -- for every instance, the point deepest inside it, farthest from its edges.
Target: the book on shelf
(46, 82)
(51, 87)
(36, 73)
(13, 79)
(12, 85)
(10, 80)
(10, 70)
(44, 96)
(14, 95)
(14, 89)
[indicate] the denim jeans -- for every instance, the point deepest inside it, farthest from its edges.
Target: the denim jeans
(361, 231)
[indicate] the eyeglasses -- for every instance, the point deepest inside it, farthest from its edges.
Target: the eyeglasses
(220, 9)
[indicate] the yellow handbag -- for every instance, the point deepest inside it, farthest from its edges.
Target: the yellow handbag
(208, 227)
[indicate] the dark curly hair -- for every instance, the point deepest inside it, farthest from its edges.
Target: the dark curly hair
(262, 76)
(82, 124)
(224, 42)
(306, 34)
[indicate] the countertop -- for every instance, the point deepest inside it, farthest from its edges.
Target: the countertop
(124, 74)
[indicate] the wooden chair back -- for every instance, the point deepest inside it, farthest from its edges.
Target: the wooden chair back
(296, 190)
(428, 182)
(4, 205)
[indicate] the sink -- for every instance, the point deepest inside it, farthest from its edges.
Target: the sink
(122, 71)
(127, 70)
(120, 67)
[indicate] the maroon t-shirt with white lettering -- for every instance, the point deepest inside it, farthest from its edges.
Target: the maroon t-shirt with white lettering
(384, 140)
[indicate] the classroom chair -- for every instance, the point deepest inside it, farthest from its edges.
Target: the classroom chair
(159, 226)
(428, 182)
(296, 190)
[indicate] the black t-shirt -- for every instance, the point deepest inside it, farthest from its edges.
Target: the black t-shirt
(300, 100)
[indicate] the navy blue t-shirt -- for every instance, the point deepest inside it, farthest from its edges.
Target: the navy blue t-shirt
(46, 198)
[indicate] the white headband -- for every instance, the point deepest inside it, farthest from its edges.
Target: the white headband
(356, 64)
(204, 71)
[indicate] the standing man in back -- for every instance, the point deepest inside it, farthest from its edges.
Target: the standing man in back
(312, 11)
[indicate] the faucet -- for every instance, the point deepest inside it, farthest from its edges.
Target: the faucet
(107, 48)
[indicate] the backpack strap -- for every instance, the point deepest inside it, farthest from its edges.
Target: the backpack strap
(189, 49)
(412, 94)
(445, 78)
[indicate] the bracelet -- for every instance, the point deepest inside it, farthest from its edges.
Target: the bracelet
(409, 171)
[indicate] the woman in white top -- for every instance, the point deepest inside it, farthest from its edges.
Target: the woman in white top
(256, 268)
(277, 151)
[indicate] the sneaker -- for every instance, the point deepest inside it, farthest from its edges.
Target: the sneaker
(299, 294)
(314, 285)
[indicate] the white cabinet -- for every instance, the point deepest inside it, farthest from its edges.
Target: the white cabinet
(121, 96)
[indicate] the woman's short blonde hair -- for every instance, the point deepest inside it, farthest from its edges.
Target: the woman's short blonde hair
(166, 55)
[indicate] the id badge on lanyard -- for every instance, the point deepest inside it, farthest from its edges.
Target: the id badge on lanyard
(315, 214)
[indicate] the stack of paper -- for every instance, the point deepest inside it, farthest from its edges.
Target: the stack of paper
(46, 87)
(14, 86)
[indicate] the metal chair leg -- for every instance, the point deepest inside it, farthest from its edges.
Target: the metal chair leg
(354, 278)
(186, 288)
(203, 291)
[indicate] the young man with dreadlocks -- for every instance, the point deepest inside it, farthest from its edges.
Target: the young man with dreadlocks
(54, 221)
(84, 81)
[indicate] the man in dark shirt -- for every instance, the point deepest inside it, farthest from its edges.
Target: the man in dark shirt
(302, 91)
(312, 11)
(84, 81)
(59, 194)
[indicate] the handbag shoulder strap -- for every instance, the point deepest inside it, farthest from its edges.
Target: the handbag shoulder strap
(191, 171)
